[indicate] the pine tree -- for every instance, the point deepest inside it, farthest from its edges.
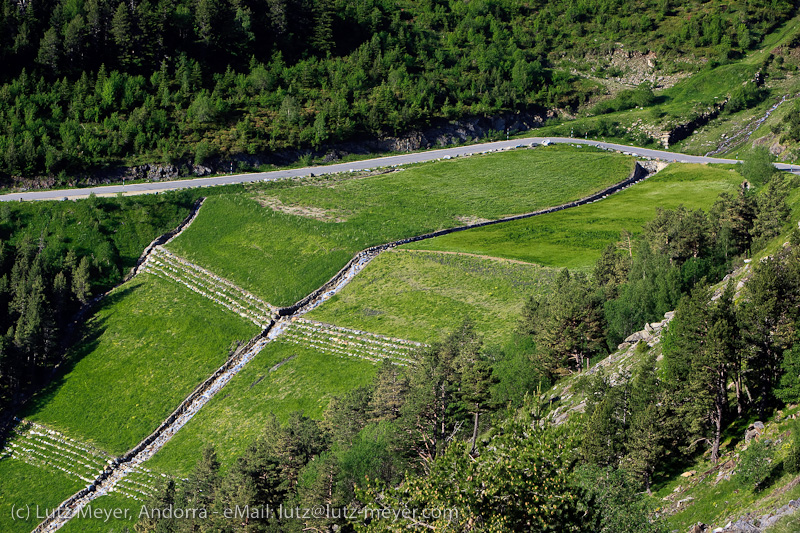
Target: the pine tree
(567, 326)
(605, 422)
(202, 484)
(644, 445)
(50, 50)
(81, 281)
(432, 414)
(389, 389)
(476, 383)
(122, 32)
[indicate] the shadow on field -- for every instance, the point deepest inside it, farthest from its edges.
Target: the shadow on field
(90, 333)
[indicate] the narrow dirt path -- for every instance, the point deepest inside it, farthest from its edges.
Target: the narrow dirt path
(122, 466)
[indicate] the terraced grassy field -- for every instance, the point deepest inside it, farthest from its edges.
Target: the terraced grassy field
(306, 381)
(148, 346)
(425, 295)
(575, 238)
(302, 232)
(22, 484)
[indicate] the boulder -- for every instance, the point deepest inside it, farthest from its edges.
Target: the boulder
(758, 425)
(750, 435)
(638, 336)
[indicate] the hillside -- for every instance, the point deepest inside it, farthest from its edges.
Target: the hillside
(553, 334)
(91, 85)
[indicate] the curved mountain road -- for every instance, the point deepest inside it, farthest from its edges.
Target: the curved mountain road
(403, 159)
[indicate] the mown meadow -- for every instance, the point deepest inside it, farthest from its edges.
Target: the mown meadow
(423, 296)
(147, 347)
(282, 257)
(574, 238)
(24, 485)
(235, 417)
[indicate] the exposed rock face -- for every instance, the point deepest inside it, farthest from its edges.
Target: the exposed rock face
(153, 172)
(651, 333)
(749, 524)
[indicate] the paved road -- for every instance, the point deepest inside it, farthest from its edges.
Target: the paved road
(416, 157)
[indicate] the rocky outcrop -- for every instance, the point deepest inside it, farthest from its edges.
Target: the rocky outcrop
(749, 524)
(682, 131)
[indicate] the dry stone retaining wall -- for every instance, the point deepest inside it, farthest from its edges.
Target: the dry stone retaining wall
(640, 172)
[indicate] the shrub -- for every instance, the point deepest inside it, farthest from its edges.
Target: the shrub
(792, 462)
(755, 464)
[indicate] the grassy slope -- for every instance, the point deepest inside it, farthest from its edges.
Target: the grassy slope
(692, 95)
(95, 519)
(22, 484)
(284, 257)
(233, 419)
(140, 357)
(422, 296)
(574, 238)
(717, 503)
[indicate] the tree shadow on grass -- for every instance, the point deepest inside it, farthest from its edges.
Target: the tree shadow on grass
(90, 333)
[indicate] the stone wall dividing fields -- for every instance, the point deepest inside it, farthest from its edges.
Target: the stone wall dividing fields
(121, 467)
(641, 171)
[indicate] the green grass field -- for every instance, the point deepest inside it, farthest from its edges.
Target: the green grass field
(575, 238)
(282, 257)
(423, 296)
(235, 417)
(148, 346)
(111, 513)
(24, 485)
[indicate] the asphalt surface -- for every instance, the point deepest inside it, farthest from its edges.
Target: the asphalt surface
(403, 159)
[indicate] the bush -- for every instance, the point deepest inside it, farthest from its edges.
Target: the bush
(792, 462)
(757, 167)
(755, 465)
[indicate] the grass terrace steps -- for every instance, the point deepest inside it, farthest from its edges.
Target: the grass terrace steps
(348, 342)
(40, 446)
(164, 264)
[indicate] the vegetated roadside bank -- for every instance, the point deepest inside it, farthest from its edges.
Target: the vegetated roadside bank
(441, 134)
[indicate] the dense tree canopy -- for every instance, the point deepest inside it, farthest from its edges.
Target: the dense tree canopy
(87, 83)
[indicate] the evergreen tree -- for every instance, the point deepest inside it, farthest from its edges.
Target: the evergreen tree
(772, 212)
(567, 326)
(644, 446)
(432, 413)
(81, 281)
(122, 32)
(389, 389)
(202, 484)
